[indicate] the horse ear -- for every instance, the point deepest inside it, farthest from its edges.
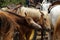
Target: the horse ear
(25, 14)
(42, 14)
(28, 19)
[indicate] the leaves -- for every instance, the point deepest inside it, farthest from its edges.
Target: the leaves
(7, 2)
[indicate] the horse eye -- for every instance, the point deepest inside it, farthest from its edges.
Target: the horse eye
(28, 19)
(45, 19)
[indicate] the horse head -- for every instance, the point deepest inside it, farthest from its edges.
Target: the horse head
(45, 20)
(32, 23)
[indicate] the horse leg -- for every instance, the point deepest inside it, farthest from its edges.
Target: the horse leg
(21, 34)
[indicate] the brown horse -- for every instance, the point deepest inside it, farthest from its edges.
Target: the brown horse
(25, 28)
(35, 14)
(7, 26)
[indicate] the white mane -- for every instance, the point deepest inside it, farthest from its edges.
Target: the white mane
(32, 12)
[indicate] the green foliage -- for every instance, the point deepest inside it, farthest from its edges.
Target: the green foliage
(7, 2)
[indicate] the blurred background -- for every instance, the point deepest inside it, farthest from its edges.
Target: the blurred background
(4, 3)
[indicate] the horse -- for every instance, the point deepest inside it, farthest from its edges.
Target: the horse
(31, 12)
(24, 28)
(37, 15)
(55, 17)
(7, 26)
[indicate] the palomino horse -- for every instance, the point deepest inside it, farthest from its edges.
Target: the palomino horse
(55, 17)
(37, 15)
(25, 28)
